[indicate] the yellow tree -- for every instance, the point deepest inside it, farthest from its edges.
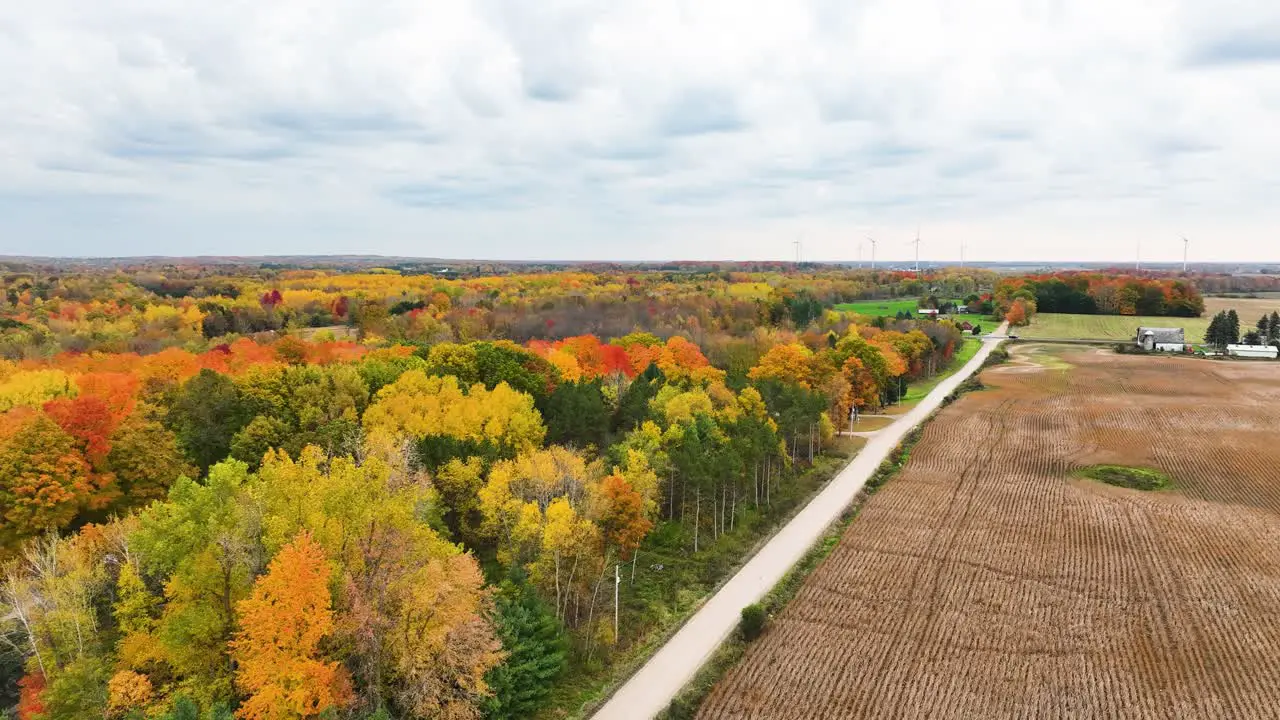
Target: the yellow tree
(571, 549)
(278, 646)
(412, 606)
(789, 363)
(418, 405)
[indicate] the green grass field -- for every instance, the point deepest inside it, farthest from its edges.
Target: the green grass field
(887, 308)
(917, 390)
(1106, 327)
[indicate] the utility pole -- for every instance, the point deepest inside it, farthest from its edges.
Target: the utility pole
(617, 580)
(1185, 244)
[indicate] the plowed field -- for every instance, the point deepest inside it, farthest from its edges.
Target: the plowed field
(986, 580)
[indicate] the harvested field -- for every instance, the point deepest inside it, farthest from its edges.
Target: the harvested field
(1250, 309)
(1108, 327)
(994, 582)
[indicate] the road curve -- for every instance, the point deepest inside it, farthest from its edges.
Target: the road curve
(652, 688)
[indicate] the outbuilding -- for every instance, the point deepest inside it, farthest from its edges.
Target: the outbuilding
(1254, 351)
(1153, 339)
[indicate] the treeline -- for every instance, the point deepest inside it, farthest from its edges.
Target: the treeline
(1096, 294)
(149, 309)
(300, 528)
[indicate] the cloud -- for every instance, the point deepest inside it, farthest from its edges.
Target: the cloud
(638, 129)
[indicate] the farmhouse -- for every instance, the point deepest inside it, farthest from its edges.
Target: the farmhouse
(1254, 351)
(1161, 339)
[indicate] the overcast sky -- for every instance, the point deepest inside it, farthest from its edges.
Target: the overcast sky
(641, 129)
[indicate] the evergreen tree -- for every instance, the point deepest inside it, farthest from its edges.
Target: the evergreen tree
(1233, 327)
(536, 655)
(1264, 328)
(1217, 331)
(633, 405)
(576, 414)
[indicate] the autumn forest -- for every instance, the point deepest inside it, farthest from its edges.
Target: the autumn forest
(289, 492)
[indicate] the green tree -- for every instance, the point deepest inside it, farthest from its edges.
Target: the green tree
(263, 433)
(146, 459)
(633, 405)
(205, 414)
(536, 655)
(205, 539)
(575, 414)
(1214, 333)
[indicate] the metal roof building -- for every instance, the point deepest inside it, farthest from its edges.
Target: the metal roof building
(1162, 339)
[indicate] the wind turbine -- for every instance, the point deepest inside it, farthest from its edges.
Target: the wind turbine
(1138, 264)
(917, 244)
(962, 254)
(1185, 244)
(873, 252)
(797, 244)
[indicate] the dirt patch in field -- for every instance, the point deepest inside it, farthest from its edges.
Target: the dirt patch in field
(987, 580)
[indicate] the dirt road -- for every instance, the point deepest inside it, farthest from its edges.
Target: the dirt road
(651, 689)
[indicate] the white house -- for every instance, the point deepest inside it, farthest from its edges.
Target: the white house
(1254, 351)
(1154, 339)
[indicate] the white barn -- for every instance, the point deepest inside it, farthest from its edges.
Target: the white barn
(1254, 351)
(1153, 339)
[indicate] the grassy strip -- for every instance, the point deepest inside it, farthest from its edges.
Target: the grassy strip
(1134, 478)
(686, 703)
(918, 390)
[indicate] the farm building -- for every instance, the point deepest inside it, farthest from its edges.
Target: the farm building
(928, 312)
(1254, 351)
(1161, 339)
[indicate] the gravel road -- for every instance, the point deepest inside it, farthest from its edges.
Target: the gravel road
(652, 688)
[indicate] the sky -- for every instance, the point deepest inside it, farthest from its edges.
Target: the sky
(642, 129)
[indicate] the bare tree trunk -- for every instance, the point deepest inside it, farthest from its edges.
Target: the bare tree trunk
(715, 520)
(559, 616)
(671, 497)
(684, 489)
(591, 612)
(733, 509)
(698, 509)
(571, 595)
(755, 482)
(724, 497)
(20, 612)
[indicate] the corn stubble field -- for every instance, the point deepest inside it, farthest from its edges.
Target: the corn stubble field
(986, 580)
